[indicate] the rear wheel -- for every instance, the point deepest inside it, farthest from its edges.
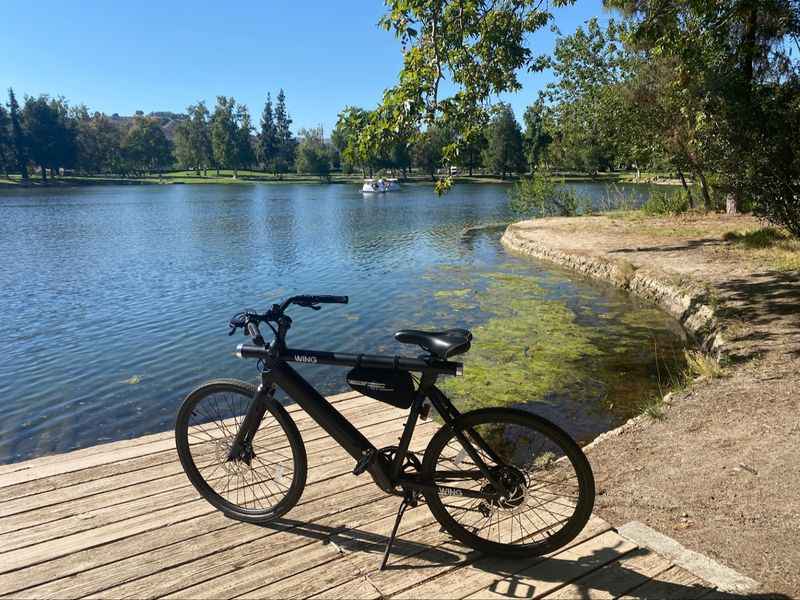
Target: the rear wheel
(266, 479)
(548, 480)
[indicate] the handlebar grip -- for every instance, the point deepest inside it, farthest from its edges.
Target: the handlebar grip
(330, 299)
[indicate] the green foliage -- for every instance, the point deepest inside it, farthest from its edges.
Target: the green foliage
(145, 147)
(6, 145)
(666, 203)
(99, 145)
(429, 148)
(18, 135)
(479, 44)
(49, 134)
(503, 154)
(313, 155)
(245, 152)
(223, 133)
(193, 147)
(542, 195)
(586, 107)
(732, 73)
(536, 139)
(285, 142)
(267, 144)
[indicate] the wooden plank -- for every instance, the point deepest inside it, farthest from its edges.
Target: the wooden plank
(562, 568)
(225, 575)
(461, 580)
(674, 583)
(361, 552)
(341, 401)
(361, 557)
(96, 514)
(159, 481)
(619, 577)
(95, 563)
(50, 466)
(62, 482)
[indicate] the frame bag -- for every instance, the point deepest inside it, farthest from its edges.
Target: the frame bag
(387, 385)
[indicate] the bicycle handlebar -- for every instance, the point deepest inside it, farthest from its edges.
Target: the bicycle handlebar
(311, 300)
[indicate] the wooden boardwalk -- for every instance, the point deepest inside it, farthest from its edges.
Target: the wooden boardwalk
(121, 520)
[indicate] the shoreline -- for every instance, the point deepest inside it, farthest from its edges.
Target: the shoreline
(716, 469)
(254, 177)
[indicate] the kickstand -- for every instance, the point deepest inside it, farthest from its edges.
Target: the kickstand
(407, 501)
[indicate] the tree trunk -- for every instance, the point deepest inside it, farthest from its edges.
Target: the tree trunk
(470, 170)
(704, 188)
(685, 187)
(44, 173)
(732, 203)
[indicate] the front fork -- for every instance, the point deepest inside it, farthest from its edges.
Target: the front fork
(242, 447)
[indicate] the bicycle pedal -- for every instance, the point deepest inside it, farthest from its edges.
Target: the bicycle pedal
(363, 462)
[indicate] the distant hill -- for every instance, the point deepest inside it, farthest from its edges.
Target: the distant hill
(169, 120)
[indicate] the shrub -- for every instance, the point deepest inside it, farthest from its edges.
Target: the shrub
(666, 203)
(542, 195)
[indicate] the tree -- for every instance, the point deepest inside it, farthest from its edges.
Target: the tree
(479, 44)
(503, 152)
(193, 139)
(429, 148)
(349, 140)
(99, 144)
(18, 136)
(285, 148)
(224, 140)
(536, 138)
(6, 146)
(267, 143)
(738, 54)
(587, 108)
(145, 146)
(313, 155)
(245, 155)
(470, 147)
(49, 137)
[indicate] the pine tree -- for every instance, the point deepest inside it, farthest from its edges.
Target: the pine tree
(283, 133)
(5, 141)
(18, 136)
(245, 156)
(267, 137)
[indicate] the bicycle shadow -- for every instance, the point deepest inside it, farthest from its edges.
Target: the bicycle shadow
(604, 570)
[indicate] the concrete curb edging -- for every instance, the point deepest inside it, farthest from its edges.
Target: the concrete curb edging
(688, 303)
(724, 578)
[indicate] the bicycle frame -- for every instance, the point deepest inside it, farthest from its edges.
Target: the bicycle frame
(388, 476)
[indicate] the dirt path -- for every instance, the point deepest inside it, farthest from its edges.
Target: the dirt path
(721, 471)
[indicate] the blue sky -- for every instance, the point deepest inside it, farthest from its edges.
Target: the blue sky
(123, 56)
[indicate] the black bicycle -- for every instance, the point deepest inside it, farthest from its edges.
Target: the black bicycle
(502, 481)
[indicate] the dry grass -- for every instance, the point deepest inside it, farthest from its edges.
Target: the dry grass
(702, 365)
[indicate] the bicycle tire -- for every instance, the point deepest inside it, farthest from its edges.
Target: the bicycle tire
(207, 441)
(558, 439)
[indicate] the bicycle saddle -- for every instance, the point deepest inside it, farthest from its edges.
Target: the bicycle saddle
(442, 344)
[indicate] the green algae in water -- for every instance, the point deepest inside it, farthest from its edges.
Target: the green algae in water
(597, 361)
(531, 346)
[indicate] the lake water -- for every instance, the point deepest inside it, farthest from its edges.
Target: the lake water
(115, 300)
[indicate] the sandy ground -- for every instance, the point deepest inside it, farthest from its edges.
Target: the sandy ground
(721, 471)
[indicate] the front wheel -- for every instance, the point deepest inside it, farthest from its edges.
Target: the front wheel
(548, 481)
(267, 477)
